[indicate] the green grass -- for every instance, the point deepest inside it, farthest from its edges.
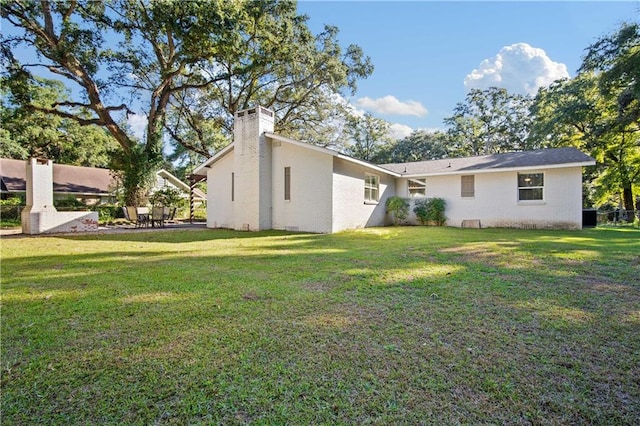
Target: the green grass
(415, 325)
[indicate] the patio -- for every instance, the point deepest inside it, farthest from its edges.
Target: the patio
(108, 229)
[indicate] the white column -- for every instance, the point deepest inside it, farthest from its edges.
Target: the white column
(39, 185)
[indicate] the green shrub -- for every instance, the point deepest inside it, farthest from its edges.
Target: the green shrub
(69, 203)
(9, 222)
(107, 213)
(420, 209)
(10, 210)
(199, 214)
(13, 201)
(168, 197)
(436, 209)
(398, 208)
(430, 211)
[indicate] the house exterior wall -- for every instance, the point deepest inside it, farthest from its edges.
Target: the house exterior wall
(496, 204)
(166, 180)
(327, 189)
(219, 204)
(162, 183)
(349, 208)
(310, 206)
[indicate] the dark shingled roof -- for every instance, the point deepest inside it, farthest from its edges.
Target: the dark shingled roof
(537, 158)
(66, 179)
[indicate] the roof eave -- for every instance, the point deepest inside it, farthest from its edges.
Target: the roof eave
(301, 144)
(173, 179)
(501, 169)
(201, 170)
(369, 165)
(330, 152)
(85, 194)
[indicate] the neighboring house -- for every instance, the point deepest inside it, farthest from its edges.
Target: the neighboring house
(92, 185)
(164, 179)
(266, 181)
(89, 184)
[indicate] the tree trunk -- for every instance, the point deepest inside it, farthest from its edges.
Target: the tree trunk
(627, 196)
(138, 172)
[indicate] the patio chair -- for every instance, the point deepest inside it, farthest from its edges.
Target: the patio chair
(171, 214)
(142, 217)
(157, 216)
(131, 214)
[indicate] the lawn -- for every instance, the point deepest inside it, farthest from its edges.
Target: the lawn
(417, 325)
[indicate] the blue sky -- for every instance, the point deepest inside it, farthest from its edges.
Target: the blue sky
(428, 54)
(423, 51)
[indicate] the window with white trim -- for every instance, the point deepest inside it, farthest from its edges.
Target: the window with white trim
(417, 188)
(371, 188)
(467, 186)
(530, 186)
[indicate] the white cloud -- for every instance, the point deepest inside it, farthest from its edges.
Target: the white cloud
(432, 129)
(390, 105)
(399, 131)
(519, 68)
(138, 125)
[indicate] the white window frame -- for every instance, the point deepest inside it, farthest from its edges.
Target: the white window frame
(371, 188)
(532, 188)
(417, 187)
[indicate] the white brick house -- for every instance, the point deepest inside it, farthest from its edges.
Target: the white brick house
(266, 181)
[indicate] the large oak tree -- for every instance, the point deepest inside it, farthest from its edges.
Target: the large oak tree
(489, 121)
(30, 133)
(420, 145)
(187, 66)
(599, 111)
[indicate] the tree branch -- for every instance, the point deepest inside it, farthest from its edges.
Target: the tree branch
(69, 12)
(48, 21)
(63, 114)
(186, 144)
(64, 73)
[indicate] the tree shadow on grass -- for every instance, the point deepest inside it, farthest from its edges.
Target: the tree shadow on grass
(178, 235)
(494, 323)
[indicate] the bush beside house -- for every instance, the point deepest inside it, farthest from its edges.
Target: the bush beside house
(398, 209)
(430, 211)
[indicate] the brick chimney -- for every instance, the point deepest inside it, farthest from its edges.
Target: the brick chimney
(252, 165)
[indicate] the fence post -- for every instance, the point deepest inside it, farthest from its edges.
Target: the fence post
(192, 184)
